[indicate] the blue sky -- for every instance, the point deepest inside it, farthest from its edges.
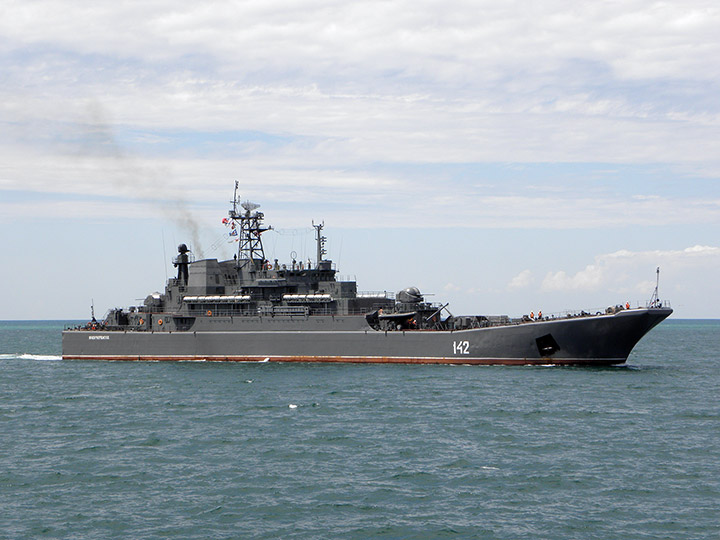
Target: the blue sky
(502, 156)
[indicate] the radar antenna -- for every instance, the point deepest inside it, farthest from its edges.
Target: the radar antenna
(250, 206)
(250, 248)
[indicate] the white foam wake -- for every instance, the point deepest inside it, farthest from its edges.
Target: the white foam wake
(28, 356)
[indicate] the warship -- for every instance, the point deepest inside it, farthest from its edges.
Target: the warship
(250, 309)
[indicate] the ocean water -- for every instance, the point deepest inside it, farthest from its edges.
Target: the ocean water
(205, 450)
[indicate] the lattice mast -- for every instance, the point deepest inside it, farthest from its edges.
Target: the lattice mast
(249, 223)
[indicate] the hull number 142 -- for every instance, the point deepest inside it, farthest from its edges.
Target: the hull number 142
(461, 347)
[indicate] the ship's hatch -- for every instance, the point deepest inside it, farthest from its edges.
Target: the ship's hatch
(547, 346)
(183, 324)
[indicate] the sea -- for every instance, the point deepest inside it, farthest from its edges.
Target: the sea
(193, 450)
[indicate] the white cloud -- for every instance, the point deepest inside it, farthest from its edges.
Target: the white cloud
(354, 196)
(623, 270)
(523, 280)
(374, 80)
(590, 278)
(635, 38)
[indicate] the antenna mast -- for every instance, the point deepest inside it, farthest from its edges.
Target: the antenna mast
(320, 239)
(235, 198)
(655, 299)
(250, 249)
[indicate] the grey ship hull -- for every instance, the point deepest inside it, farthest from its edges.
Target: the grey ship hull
(591, 340)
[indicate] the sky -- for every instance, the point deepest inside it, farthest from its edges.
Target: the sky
(504, 157)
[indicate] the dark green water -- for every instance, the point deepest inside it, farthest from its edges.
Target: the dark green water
(195, 450)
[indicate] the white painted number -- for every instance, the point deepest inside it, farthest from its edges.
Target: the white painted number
(461, 347)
